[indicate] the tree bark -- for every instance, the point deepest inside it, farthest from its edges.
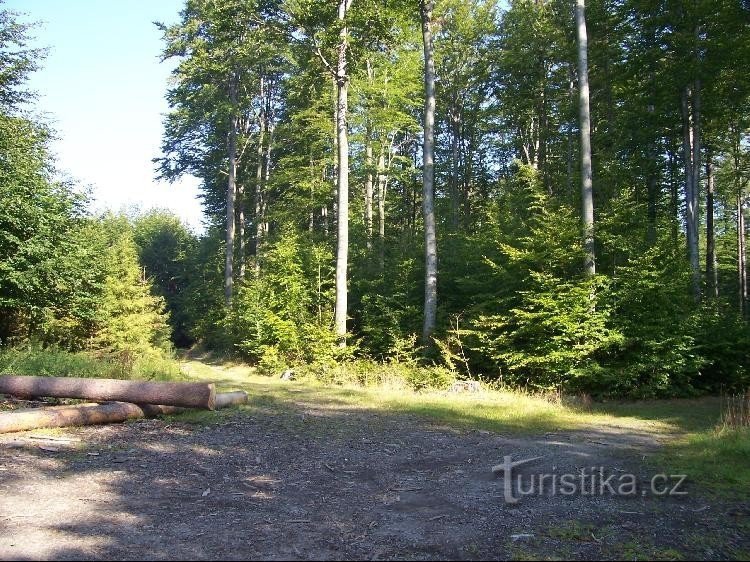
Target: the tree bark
(231, 191)
(587, 195)
(368, 165)
(691, 157)
(95, 414)
(674, 199)
(258, 218)
(652, 186)
(711, 272)
(241, 257)
(454, 115)
(741, 257)
(697, 134)
(189, 395)
(79, 415)
(569, 134)
(741, 254)
(368, 189)
(271, 128)
(428, 177)
(342, 243)
(382, 188)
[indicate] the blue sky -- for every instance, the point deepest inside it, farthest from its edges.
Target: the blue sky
(102, 88)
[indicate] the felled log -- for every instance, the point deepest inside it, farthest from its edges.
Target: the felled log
(227, 399)
(188, 395)
(81, 414)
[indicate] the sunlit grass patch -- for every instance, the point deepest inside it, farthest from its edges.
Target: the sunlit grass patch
(718, 459)
(54, 362)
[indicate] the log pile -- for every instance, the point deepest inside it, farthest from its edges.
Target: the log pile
(114, 400)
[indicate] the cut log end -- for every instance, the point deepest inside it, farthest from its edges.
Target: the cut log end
(227, 399)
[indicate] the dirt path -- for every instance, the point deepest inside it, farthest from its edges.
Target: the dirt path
(293, 481)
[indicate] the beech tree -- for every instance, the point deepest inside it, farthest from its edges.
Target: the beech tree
(587, 194)
(428, 180)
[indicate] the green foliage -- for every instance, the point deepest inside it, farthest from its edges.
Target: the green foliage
(513, 304)
(555, 335)
(38, 228)
(278, 312)
(35, 360)
(55, 362)
(391, 374)
(133, 321)
(165, 247)
(543, 329)
(17, 61)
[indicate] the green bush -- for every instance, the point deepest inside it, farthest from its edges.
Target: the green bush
(365, 372)
(55, 362)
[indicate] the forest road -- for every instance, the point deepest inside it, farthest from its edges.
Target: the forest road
(293, 480)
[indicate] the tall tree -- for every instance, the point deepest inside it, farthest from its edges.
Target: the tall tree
(428, 177)
(342, 136)
(587, 193)
(712, 279)
(231, 191)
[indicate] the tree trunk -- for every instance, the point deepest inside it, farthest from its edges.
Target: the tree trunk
(569, 133)
(241, 228)
(368, 165)
(674, 199)
(741, 256)
(382, 188)
(652, 185)
(267, 175)
(258, 218)
(227, 399)
(231, 190)
(455, 120)
(189, 395)
(697, 134)
(428, 177)
(94, 414)
(543, 134)
(79, 415)
(368, 189)
(342, 249)
(690, 153)
(587, 195)
(712, 279)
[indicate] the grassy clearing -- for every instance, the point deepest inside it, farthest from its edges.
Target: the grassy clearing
(502, 411)
(719, 459)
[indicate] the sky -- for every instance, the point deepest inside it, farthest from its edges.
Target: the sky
(102, 89)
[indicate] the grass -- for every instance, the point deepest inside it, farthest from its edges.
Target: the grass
(718, 459)
(694, 444)
(500, 411)
(55, 362)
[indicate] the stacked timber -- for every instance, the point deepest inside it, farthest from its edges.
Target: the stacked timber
(116, 400)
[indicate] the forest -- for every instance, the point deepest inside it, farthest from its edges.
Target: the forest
(533, 193)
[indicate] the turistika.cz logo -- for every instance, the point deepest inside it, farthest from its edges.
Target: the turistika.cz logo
(587, 481)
